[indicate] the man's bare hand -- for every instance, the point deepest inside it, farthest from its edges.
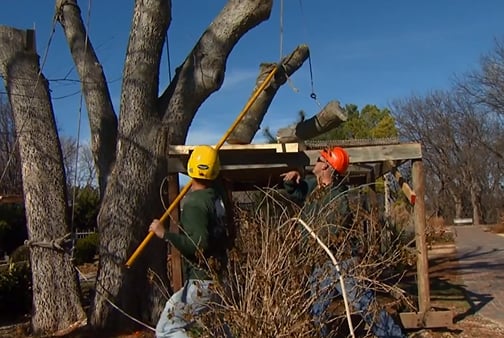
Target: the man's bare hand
(157, 228)
(293, 175)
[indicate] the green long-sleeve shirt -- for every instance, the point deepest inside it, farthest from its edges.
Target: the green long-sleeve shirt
(200, 218)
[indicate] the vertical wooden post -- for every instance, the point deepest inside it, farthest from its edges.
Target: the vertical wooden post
(232, 230)
(421, 245)
(175, 267)
(372, 228)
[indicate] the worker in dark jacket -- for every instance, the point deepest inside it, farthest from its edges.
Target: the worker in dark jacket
(203, 236)
(317, 194)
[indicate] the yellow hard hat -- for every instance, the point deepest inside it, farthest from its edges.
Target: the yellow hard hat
(203, 163)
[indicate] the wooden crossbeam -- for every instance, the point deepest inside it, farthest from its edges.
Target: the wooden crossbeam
(276, 147)
(429, 319)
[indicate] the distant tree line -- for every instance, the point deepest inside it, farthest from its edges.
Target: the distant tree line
(81, 184)
(461, 130)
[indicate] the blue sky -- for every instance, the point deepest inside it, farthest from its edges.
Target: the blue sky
(363, 52)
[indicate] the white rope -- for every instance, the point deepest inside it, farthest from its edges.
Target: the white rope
(336, 264)
(123, 312)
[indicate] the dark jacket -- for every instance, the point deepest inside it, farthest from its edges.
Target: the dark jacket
(330, 202)
(204, 231)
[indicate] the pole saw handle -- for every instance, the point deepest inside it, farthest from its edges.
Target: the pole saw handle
(181, 194)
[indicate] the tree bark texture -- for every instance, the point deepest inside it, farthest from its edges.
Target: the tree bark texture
(131, 199)
(132, 152)
(146, 125)
(102, 118)
(56, 297)
(248, 127)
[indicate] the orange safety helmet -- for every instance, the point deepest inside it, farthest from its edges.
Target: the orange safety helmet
(338, 158)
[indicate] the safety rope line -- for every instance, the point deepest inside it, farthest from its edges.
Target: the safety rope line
(98, 291)
(313, 95)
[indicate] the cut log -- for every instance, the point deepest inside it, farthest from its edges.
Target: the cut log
(331, 116)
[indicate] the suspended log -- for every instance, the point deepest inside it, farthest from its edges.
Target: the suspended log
(328, 118)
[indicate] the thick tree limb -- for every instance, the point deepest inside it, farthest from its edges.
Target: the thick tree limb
(202, 72)
(102, 119)
(248, 127)
(131, 198)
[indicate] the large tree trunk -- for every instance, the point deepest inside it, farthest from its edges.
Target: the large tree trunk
(131, 199)
(458, 206)
(102, 119)
(56, 298)
(147, 124)
(475, 203)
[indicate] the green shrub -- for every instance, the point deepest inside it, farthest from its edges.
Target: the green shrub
(15, 290)
(86, 248)
(13, 230)
(21, 254)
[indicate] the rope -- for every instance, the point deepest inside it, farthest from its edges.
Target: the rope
(121, 310)
(57, 244)
(312, 95)
(305, 32)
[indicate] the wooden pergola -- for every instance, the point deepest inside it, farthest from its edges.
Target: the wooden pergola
(246, 167)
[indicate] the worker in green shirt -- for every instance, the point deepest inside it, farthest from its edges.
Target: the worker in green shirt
(203, 236)
(324, 193)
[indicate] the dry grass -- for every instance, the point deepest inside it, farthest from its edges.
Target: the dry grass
(498, 228)
(266, 291)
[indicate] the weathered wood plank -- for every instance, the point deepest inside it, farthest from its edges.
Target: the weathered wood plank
(374, 153)
(262, 161)
(175, 263)
(431, 319)
(378, 153)
(421, 245)
(174, 150)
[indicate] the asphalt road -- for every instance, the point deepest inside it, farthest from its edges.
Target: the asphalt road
(481, 266)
